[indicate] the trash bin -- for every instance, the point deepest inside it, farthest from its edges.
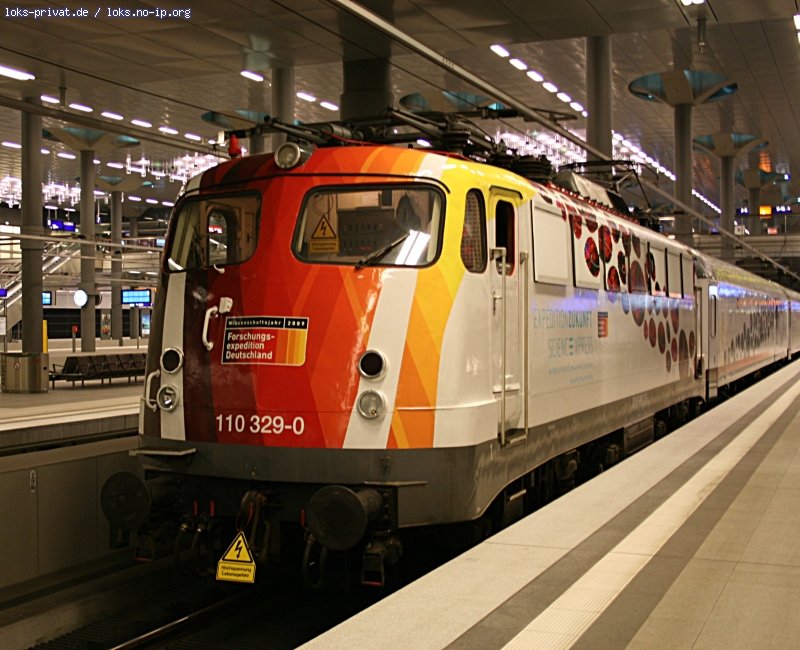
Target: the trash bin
(24, 372)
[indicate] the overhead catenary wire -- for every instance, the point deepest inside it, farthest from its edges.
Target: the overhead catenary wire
(423, 50)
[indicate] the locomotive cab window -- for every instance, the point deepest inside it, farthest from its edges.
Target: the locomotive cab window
(395, 225)
(213, 231)
(473, 235)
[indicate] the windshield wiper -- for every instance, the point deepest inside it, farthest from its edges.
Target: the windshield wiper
(377, 254)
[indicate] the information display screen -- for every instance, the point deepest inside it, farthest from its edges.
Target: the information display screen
(137, 297)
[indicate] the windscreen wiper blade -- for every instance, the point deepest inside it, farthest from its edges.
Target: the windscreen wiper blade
(377, 254)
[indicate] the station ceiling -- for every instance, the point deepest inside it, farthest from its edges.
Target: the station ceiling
(169, 70)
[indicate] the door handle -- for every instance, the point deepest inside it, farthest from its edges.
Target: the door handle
(225, 305)
(149, 402)
(211, 311)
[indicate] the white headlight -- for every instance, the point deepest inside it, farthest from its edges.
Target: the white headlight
(292, 154)
(167, 397)
(371, 404)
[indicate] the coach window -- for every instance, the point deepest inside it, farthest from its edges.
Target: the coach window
(473, 235)
(674, 277)
(657, 270)
(213, 231)
(687, 271)
(504, 234)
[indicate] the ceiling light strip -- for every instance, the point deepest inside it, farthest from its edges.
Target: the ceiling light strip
(94, 123)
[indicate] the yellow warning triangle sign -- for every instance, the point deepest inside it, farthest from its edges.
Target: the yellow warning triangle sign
(238, 551)
(323, 230)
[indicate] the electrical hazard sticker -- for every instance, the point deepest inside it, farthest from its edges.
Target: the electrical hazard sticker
(237, 564)
(324, 239)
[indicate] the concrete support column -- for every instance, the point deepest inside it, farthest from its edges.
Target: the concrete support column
(598, 94)
(753, 205)
(88, 252)
(116, 266)
(134, 313)
(32, 225)
(683, 171)
(282, 100)
(727, 205)
(258, 143)
(367, 88)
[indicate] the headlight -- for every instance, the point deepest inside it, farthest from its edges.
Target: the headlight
(371, 404)
(372, 364)
(292, 154)
(167, 397)
(171, 360)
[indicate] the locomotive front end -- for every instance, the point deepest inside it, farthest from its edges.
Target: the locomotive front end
(288, 297)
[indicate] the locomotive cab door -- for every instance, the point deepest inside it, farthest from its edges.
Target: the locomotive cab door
(507, 353)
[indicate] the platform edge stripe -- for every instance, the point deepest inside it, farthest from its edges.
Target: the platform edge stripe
(636, 550)
(649, 479)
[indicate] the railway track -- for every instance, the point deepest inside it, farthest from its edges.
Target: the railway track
(197, 613)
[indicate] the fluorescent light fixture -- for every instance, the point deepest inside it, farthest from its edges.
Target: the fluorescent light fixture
(50, 100)
(168, 130)
(564, 97)
(193, 136)
(251, 75)
(535, 76)
(96, 161)
(143, 123)
(519, 65)
(585, 113)
(112, 116)
(306, 96)
(423, 143)
(11, 145)
(44, 151)
(134, 198)
(65, 154)
(81, 107)
(151, 201)
(329, 105)
(19, 75)
(797, 22)
(115, 165)
(687, 3)
(499, 50)
(168, 204)
(549, 87)
(99, 193)
(575, 106)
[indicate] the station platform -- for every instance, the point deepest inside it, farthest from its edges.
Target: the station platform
(694, 542)
(67, 411)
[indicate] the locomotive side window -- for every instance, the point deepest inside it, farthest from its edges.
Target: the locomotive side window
(473, 236)
(550, 248)
(368, 226)
(504, 234)
(213, 231)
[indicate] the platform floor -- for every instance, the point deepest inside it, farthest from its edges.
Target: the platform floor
(694, 542)
(66, 399)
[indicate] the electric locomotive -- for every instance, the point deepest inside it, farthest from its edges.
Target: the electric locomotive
(351, 342)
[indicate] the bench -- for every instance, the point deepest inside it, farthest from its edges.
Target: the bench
(99, 366)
